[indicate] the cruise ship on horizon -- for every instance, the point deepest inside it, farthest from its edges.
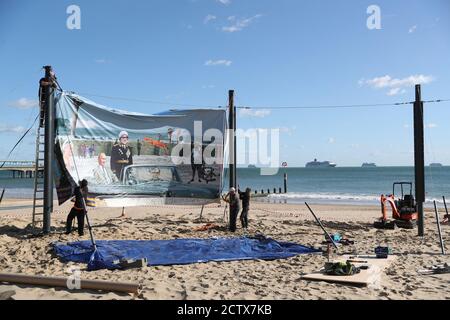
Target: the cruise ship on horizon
(320, 164)
(368, 165)
(436, 164)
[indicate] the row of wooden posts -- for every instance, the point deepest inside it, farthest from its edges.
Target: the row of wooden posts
(25, 173)
(275, 189)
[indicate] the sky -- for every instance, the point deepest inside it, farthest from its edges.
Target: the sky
(272, 53)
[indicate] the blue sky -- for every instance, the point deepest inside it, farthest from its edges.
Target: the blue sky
(272, 53)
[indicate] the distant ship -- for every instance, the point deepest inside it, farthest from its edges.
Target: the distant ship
(320, 164)
(251, 166)
(436, 164)
(368, 165)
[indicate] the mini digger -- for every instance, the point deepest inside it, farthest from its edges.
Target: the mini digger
(404, 208)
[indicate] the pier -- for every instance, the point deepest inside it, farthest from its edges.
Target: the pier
(20, 168)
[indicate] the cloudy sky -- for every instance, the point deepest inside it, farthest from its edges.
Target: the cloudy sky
(283, 53)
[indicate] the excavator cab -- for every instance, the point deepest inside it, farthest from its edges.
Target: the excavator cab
(404, 208)
(406, 203)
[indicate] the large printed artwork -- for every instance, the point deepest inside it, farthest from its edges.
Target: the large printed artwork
(137, 159)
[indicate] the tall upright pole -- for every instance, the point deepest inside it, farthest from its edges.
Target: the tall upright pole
(49, 152)
(419, 163)
(232, 139)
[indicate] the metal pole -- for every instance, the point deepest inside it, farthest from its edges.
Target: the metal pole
(234, 144)
(49, 108)
(419, 163)
(1, 197)
(201, 212)
(439, 228)
(285, 183)
(91, 234)
(445, 206)
(320, 224)
(231, 139)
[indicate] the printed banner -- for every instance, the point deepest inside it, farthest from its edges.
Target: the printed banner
(131, 159)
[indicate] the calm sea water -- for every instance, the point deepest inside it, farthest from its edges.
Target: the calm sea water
(315, 185)
(345, 184)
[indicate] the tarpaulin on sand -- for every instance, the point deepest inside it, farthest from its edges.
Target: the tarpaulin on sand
(129, 158)
(177, 251)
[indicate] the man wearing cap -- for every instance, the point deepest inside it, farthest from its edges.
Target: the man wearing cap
(121, 155)
(233, 200)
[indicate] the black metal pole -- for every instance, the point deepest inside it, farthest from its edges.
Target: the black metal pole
(49, 108)
(235, 144)
(285, 183)
(321, 225)
(445, 206)
(439, 228)
(1, 197)
(231, 139)
(419, 163)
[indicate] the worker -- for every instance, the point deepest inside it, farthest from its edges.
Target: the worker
(233, 200)
(78, 209)
(245, 198)
(45, 84)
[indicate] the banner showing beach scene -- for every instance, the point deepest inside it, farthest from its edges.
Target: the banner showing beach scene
(175, 157)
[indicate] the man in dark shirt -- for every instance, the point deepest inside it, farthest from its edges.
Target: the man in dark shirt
(44, 87)
(245, 198)
(233, 200)
(79, 208)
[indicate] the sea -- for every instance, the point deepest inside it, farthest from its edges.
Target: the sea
(339, 185)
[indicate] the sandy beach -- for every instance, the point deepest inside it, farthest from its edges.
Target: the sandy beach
(278, 279)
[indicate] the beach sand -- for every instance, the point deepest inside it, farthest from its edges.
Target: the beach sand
(278, 279)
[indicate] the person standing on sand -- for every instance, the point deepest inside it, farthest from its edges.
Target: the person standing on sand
(79, 209)
(233, 200)
(245, 198)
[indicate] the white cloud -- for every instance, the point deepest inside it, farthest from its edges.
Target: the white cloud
(226, 63)
(239, 24)
(395, 84)
(24, 103)
(412, 29)
(254, 113)
(396, 91)
(209, 18)
(11, 129)
(331, 140)
(224, 2)
(102, 61)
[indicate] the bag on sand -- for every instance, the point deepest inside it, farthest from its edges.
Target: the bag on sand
(341, 268)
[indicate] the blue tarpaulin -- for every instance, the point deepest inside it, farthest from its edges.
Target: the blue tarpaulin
(177, 251)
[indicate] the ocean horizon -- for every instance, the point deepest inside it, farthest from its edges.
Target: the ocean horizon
(339, 185)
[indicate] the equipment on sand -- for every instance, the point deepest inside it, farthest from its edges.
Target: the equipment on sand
(383, 252)
(404, 209)
(341, 268)
(436, 269)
